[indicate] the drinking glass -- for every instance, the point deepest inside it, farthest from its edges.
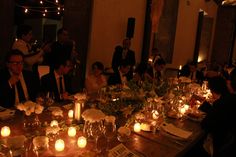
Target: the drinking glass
(41, 144)
(109, 131)
(96, 131)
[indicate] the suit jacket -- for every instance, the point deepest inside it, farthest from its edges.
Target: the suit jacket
(49, 84)
(114, 79)
(7, 94)
(117, 60)
(185, 71)
(220, 123)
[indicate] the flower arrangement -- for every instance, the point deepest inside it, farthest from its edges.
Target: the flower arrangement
(30, 107)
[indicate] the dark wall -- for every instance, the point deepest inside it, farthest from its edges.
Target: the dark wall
(224, 38)
(7, 27)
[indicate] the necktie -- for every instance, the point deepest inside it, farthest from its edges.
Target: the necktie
(21, 94)
(60, 85)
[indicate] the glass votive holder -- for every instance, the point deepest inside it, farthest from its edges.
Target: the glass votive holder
(123, 134)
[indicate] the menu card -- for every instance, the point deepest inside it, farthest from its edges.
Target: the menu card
(121, 151)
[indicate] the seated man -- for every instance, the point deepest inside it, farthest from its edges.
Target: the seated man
(57, 82)
(16, 84)
(190, 70)
(156, 71)
(119, 77)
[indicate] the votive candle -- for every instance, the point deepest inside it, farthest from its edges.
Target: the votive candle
(71, 131)
(54, 123)
(155, 114)
(59, 145)
(137, 127)
(82, 142)
(5, 131)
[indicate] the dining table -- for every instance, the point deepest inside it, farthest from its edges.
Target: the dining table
(146, 143)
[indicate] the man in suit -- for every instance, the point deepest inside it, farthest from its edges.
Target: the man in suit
(17, 85)
(190, 70)
(57, 81)
(124, 54)
(120, 76)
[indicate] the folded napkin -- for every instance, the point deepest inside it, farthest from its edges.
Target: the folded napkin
(5, 114)
(170, 128)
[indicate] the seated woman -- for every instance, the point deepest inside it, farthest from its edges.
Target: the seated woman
(219, 121)
(95, 80)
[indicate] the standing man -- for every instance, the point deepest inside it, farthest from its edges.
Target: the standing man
(60, 49)
(124, 54)
(17, 85)
(23, 43)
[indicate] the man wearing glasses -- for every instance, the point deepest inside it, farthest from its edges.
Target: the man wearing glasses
(16, 84)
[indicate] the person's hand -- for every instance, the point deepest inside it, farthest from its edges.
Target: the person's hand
(14, 79)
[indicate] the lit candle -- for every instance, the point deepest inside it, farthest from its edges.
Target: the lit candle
(59, 145)
(82, 142)
(186, 107)
(54, 123)
(71, 114)
(155, 114)
(71, 131)
(180, 67)
(77, 111)
(182, 110)
(5, 131)
(137, 127)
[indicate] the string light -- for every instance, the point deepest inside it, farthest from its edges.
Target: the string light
(52, 7)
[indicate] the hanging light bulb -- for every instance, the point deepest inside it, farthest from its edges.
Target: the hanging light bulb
(58, 8)
(26, 10)
(41, 2)
(44, 14)
(56, 1)
(45, 10)
(58, 13)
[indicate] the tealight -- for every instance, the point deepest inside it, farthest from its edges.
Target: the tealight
(155, 114)
(137, 127)
(71, 114)
(71, 131)
(54, 123)
(5, 131)
(82, 142)
(59, 145)
(182, 110)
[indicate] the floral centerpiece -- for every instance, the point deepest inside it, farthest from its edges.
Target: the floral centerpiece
(32, 110)
(30, 107)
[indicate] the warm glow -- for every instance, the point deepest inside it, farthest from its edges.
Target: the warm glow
(180, 67)
(44, 14)
(56, 1)
(137, 127)
(54, 123)
(70, 113)
(58, 13)
(155, 114)
(59, 145)
(5, 131)
(82, 142)
(26, 10)
(41, 2)
(71, 131)
(45, 10)
(58, 8)
(77, 111)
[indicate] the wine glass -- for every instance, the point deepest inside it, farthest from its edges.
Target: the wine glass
(109, 131)
(41, 144)
(96, 131)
